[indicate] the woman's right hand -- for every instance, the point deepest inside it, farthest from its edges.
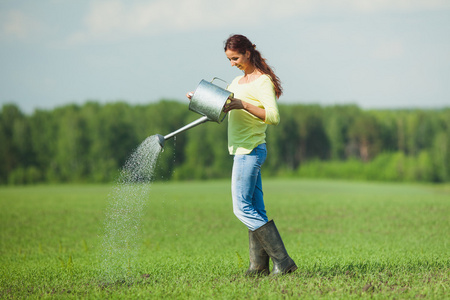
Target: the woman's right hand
(189, 95)
(233, 103)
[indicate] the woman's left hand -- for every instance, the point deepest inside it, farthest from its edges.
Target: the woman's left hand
(233, 103)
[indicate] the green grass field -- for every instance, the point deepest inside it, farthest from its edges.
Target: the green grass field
(349, 240)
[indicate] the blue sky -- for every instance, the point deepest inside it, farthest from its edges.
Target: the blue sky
(373, 53)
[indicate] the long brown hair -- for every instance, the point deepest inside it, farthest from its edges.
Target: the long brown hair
(242, 44)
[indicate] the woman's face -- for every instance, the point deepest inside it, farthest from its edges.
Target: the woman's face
(241, 61)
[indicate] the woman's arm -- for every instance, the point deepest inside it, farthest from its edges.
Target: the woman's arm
(239, 104)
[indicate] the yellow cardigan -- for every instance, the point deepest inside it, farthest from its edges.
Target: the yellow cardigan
(245, 131)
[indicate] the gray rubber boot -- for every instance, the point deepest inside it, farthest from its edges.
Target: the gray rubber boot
(259, 259)
(271, 240)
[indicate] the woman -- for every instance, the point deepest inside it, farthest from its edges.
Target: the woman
(252, 108)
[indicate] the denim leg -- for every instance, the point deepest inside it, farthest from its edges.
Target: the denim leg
(246, 188)
(258, 199)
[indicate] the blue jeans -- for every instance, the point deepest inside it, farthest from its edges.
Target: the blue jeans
(246, 188)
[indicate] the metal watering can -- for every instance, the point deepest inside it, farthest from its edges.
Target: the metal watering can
(208, 100)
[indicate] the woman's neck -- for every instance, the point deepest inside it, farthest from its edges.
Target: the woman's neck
(252, 70)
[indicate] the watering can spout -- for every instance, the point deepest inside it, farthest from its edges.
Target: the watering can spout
(161, 140)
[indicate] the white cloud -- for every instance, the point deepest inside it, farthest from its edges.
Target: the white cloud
(118, 19)
(18, 25)
(111, 20)
(373, 6)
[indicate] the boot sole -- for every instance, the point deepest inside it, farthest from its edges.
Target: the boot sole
(292, 269)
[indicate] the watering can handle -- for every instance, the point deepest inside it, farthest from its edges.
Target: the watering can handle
(220, 80)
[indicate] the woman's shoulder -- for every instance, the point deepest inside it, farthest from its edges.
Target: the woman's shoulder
(265, 79)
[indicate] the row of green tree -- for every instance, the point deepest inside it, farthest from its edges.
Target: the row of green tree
(90, 143)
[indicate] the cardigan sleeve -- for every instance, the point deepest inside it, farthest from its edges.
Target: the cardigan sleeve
(268, 99)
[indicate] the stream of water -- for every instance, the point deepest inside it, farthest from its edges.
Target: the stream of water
(123, 215)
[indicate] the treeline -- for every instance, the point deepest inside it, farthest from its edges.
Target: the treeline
(90, 143)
